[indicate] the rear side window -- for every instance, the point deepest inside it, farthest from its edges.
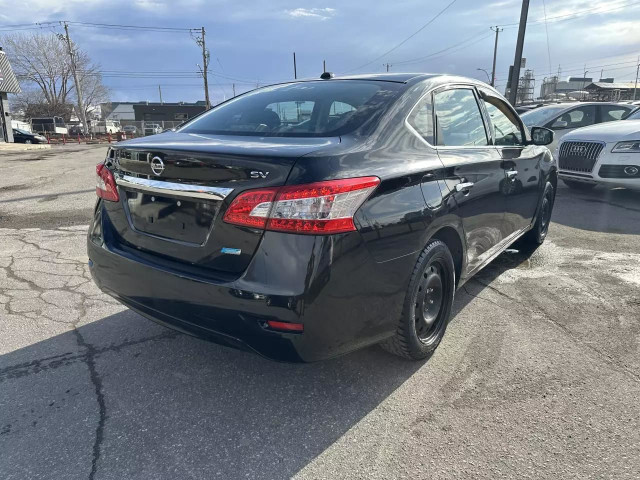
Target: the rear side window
(305, 109)
(458, 119)
(421, 119)
(612, 113)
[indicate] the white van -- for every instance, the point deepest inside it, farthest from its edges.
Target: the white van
(107, 126)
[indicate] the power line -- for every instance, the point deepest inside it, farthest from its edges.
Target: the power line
(419, 59)
(546, 26)
(574, 15)
(441, 12)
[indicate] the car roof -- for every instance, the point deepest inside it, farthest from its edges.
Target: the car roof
(391, 77)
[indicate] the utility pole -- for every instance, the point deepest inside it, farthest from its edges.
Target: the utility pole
(515, 76)
(635, 87)
(205, 66)
(387, 65)
(495, 55)
(160, 92)
(233, 86)
(295, 71)
(81, 114)
(584, 81)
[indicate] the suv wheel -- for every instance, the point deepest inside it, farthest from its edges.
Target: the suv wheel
(579, 185)
(427, 306)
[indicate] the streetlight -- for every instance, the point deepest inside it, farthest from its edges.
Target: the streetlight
(584, 80)
(486, 73)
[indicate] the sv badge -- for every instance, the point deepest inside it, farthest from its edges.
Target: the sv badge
(259, 174)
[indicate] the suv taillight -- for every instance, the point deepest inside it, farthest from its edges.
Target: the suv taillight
(106, 184)
(315, 208)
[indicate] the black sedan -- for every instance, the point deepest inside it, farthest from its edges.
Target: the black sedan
(305, 220)
(22, 136)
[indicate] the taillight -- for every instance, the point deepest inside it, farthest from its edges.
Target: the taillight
(314, 208)
(106, 184)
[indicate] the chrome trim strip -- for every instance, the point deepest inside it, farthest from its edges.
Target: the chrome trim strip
(174, 189)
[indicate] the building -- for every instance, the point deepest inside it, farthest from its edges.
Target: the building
(8, 84)
(612, 92)
(171, 113)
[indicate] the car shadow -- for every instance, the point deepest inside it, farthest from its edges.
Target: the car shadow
(166, 405)
(608, 210)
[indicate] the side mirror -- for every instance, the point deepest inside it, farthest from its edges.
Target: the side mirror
(542, 136)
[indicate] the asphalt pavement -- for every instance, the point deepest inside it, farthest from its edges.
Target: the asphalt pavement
(538, 375)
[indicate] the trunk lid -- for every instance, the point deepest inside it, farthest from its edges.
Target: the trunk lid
(174, 189)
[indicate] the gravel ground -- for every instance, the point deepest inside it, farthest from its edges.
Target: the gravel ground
(537, 377)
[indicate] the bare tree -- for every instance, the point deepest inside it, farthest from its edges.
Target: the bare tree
(41, 63)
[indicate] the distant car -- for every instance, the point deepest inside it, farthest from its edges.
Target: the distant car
(152, 129)
(107, 126)
(22, 136)
(563, 118)
(602, 154)
(75, 130)
(131, 129)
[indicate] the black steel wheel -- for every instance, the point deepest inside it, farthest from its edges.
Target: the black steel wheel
(427, 305)
(536, 236)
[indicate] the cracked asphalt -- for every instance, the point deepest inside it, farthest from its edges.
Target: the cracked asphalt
(537, 377)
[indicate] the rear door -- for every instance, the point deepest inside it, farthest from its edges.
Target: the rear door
(473, 169)
(613, 113)
(520, 161)
(174, 188)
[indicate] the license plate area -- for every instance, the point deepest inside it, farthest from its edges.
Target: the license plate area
(180, 219)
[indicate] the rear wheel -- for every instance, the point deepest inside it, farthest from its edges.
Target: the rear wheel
(536, 236)
(427, 306)
(579, 185)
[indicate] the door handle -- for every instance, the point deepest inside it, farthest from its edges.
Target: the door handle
(512, 173)
(461, 187)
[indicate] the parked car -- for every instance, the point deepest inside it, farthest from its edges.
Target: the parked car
(107, 126)
(76, 130)
(152, 129)
(22, 136)
(130, 129)
(306, 239)
(606, 154)
(565, 117)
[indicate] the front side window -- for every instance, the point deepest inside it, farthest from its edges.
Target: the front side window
(505, 126)
(458, 119)
(304, 109)
(421, 119)
(576, 118)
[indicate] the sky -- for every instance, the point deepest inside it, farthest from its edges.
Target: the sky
(252, 42)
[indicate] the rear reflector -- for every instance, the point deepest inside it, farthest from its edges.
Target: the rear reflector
(106, 184)
(287, 327)
(314, 208)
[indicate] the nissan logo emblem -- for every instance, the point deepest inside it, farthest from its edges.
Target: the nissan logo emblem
(157, 166)
(631, 170)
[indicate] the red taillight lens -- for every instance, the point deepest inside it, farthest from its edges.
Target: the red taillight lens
(315, 208)
(251, 208)
(106, 184)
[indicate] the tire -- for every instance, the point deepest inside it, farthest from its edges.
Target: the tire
(28, 141)
(427, 305)
(536, 236)
(579, 185)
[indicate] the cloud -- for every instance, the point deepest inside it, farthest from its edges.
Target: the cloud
(316, 13)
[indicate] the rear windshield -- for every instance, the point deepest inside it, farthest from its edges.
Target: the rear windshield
(306, 109)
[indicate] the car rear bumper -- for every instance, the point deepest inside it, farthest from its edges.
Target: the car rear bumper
(329, 284)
